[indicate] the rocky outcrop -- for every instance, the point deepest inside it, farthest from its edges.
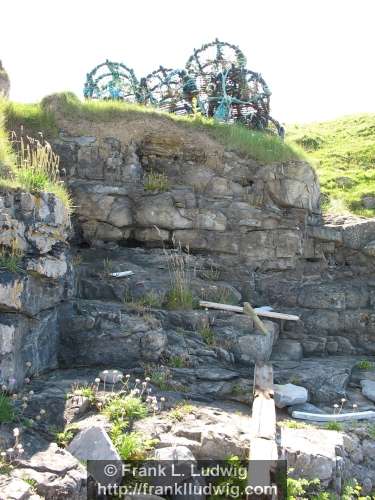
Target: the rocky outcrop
(34, 280)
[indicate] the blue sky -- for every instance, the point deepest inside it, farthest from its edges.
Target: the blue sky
(317, 56)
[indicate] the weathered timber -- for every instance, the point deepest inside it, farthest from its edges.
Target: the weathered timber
(249, 311)
(259, 311)
(321, 417)
(263, 447)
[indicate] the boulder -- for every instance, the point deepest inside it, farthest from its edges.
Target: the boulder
(289, 395)
(311, 453)
(93, 444)
(368, 389)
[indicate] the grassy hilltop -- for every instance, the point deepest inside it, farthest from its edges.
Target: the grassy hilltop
(343, 154)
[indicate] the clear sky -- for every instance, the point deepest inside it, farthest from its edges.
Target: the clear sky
(317, 56)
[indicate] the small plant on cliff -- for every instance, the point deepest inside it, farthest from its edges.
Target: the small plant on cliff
(129, 407)
(371, 431)
(11, 258)
(365, 364)
(333, 426)
(64, 437)
(180, 295)
(156, 181)
(7, 414)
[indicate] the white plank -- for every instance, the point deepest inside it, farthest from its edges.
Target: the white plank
(122, 274)
(328, 417)
(258, 310)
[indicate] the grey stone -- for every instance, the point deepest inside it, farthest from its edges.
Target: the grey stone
(286, 349)
(289, 395)
(368, 389)
(311, 453)
(368, 201)
(93, 444)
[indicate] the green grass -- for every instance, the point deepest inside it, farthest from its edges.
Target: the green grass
(156, 181)
(333, 426)
(7, 414)
(64, 437)
(17, 170)
(120, 408)
(43, 117)
(132, 445)
(365, 364)
(207, 334)
(180, 297)
(343, 154)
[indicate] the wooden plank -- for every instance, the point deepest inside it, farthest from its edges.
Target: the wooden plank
(339, 417)
(249, 311)
(263, 379)
(260, 311)
(263, 423)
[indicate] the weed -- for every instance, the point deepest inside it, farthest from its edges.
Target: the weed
(159, 376)
(365, 364)
(294, 424)
(371, 431)
(87, 391)
(31, 482)
(132, 445)
(178, 362)
(122, 408)
(219, 294)
(7, 413)
(211, 274)
(207, 334)
(334, 426)
(107, 266)
(63, 438)
(11, 258)
(156, 181)
(237, 390)
(180, 295)
(178, 413)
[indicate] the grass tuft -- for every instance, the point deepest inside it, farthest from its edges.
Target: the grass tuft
(156, 181)
(7, 414)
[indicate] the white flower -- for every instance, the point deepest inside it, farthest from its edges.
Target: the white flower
(3, 387)
(21, 450)
(42, 411)
(19, 446)
(335, 405)
(147, 379)
(355, 406)
(162, 399)
(144, 384)
(31, 393)
(343, 400)
(24, 406)
(38, 417)
(28, 364)
(25, 398)
(137, 380)
(16, 432)
(3, 454)
(27, 380)
(127, 376)
(10, 450)
(105, 372)
(97, 380)
(14, 396)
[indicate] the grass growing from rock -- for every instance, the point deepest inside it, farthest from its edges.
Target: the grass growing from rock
(343, 154)
(7, 414)
(11, 259)
(128, 407)
(365, 364)
(64, 437)
(156, 181)
(333, 426)
(28, 163)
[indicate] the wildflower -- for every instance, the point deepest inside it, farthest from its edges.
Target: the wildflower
(19, 446)
(137, 380)
(162, 399)
(10, 450)
(38, 417)
(335, 405)
(16, 432)
(24, 406)
(105, 372)
(31, 422)
(127, 376)
(28, 364)
(14, 396)
(343, 400)
(144, 384)
(21, 450)
(25, 398)
(27, 380)
(3, 454)
(147, 379)
(355, 406)
(42, 411)
(4, 387)
(97, 381)
(31, 393)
